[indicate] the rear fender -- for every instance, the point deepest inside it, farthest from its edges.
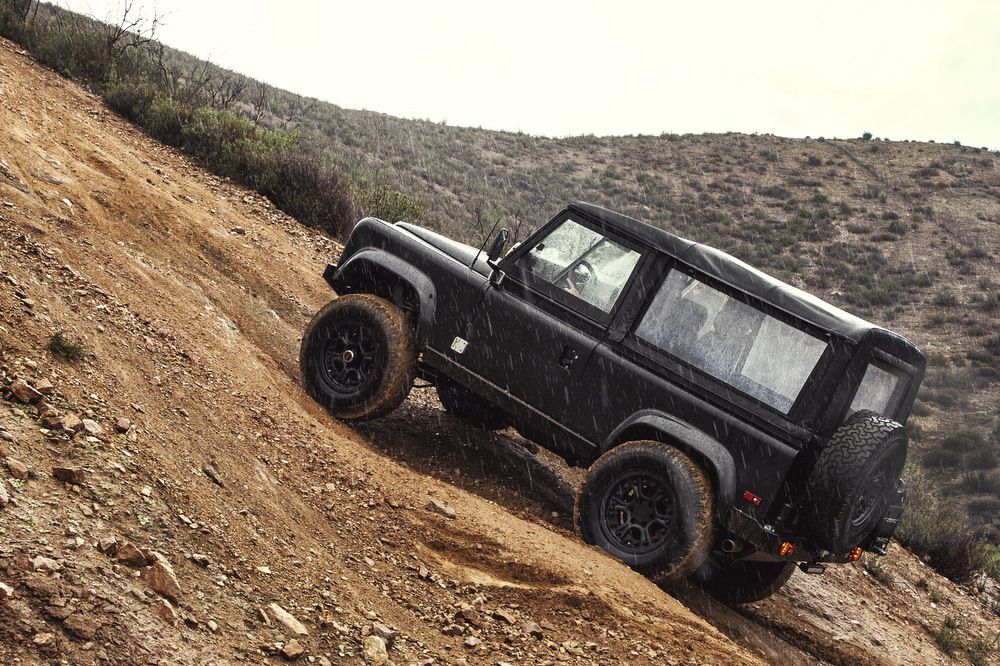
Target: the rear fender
(705, 450)
(374, 271)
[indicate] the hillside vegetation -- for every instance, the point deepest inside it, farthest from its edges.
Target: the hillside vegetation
(904, 233)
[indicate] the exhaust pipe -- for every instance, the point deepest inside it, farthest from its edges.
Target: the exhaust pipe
(732, 545)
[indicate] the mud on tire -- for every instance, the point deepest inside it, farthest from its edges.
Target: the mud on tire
(854, 480)
(650, 506)
(358, 357)
(465, 405)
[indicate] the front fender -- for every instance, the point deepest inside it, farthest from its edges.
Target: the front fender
(703, 448)
(376, 271)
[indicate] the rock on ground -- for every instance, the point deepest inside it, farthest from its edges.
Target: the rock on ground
(373, 650)
(287, 620)
(160, 578)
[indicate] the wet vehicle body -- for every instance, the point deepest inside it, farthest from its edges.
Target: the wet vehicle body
(599, 330)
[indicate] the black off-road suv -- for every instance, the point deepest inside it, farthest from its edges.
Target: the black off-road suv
(733, 425)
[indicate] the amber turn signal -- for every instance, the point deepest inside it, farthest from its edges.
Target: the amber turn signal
(855, 554)
(787, 548)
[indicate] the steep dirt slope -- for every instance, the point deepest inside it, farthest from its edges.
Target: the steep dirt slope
(189, 297)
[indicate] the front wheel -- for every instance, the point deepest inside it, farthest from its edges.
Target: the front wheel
(358, 357)
(650, 506)
(740, 581)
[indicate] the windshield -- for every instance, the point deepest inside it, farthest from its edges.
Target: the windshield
(751, 351)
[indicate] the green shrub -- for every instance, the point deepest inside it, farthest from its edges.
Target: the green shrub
(945, 298)
(937, 530)
(963, 440)
(947, 637)
(71, 349)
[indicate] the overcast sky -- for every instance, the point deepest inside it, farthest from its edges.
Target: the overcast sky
(913, 69)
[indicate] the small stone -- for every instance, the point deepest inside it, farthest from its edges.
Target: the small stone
(24, 392)
(53, 422)
(373, 650)
(71, 422)
(166, 611)
(387, 634)
(81, 626)
(4, 497)
(41, 563)
(123, 424)
(440, 507)
(472, 642)
(201, 560)
(146, 491)
(131, 556)
(91, 427)
(161, 578)
(108, 545)
(6, 591)
(532, 629)
(292, 650)
(43, 639)
(287, 620)
(213, 475)
(17, 469)
(44, 386)
(323, 661)
(504, 615)
(6, 436)
(213, 626)
(71, 475)
(240, 231)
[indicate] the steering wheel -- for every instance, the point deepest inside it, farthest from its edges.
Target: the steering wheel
(582, 273)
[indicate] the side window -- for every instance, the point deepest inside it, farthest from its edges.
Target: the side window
(730, 340)
(876, 391)
(582, 263)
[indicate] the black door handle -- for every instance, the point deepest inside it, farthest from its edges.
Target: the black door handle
(569, 357)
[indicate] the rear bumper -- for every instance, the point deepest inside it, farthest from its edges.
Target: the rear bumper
(329, 272)
(768, 542)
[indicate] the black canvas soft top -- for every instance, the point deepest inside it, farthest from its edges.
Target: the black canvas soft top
(735, 273)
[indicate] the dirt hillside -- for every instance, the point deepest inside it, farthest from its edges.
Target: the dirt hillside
(206, 511)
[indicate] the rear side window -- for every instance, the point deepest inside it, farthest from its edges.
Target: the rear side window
(876, 391)
(730, 340)
(583, 263)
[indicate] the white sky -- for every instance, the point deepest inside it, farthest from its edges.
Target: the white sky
(913, 69)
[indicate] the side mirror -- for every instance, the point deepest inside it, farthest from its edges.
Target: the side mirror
(496, 249)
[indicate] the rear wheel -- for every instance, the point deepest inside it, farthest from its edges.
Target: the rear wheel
(463, 404)
(854, 480)
(650, 506)
(358, 357)
(740, 581)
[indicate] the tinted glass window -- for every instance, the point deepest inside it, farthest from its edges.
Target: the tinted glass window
(876, 391)
(730, 340)
(583, 263)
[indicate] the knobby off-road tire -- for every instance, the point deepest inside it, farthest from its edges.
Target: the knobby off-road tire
(739, 581)
(854, 480)
(358, 357)
(467, 406)
(650, 506)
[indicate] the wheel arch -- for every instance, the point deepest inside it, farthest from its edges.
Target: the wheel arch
(377, 272)
(701, 447)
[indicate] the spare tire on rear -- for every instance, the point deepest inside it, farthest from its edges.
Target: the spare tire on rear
(854, 481)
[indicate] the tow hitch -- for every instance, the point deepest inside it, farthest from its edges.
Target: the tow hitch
(812, 567)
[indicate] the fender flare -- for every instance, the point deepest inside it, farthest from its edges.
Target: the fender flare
(359, 273)
(705, 449)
